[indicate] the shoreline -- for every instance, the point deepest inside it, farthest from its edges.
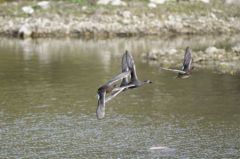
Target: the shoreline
(114, 27)
(124, 21)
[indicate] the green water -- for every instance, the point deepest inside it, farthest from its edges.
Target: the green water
(48, 102)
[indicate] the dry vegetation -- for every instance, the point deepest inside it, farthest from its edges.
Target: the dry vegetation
(75, 7)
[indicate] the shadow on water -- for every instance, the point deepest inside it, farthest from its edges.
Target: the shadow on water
(48, 103)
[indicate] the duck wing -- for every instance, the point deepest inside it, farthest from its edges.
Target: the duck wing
(187, 60)
(100, 112)
(101, 93)
(102, 99)
(173, 70)
(132, 67)
(116, 78)
(125, 61)
(116, 91)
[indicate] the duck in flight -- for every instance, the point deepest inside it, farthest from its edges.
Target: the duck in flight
(129, 80)
(186, 67)
(129, 64)
(187, 64)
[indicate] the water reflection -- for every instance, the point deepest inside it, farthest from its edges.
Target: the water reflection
(47, 104)
(45, 49)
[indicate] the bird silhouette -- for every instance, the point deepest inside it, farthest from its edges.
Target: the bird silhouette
(186, 66)
(129, 80)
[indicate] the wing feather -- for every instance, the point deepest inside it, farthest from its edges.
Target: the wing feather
(187, 60)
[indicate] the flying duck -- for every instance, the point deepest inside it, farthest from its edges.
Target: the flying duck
(187, 64)
(128, 69)
(186, 67)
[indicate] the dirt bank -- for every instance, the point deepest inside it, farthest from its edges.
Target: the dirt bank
(62, 19)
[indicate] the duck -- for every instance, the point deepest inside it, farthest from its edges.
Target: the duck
(129, 80)
(187, 64)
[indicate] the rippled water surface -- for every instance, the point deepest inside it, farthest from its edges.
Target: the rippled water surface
(48, 102)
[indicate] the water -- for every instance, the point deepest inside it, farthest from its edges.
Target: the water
(48, 102)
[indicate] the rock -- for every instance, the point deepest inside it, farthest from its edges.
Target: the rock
(84, 7)
(205, 1)
(215, 53)
(126, 21)
(152, 55)
(27, 9)
(25, 31)
(112, 2)
(158, 1)
(118, 3)
(43, 4)
(152, 5)
(126, 14)
(172, 51)
(103, 2)
(211, 50)
(213, 16)
(232, 1)
(151, 15)
(236, 49)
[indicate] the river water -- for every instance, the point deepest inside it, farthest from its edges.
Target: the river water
(48, 102)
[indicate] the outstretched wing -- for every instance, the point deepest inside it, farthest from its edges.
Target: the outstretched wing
(125, 67)
(102, 93)
(131, 66)
(126, 61)
(187, 60)
(100, 112)
(116, 91)
(116, 78)
(173, 70)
